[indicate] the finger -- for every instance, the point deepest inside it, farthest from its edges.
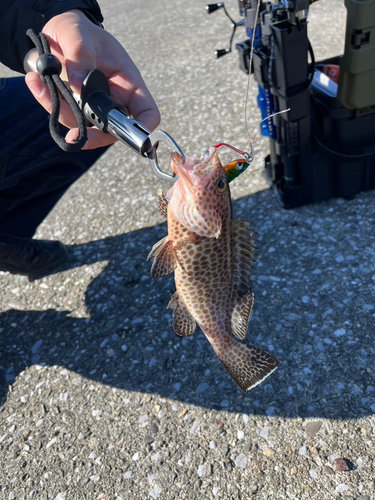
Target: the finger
(149, 118)
(72, 38)
(80, 58)
(39, 89)
(95, 138)
(131, 90)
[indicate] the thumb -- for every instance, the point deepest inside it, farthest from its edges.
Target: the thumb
(76, 80)
(79, 60)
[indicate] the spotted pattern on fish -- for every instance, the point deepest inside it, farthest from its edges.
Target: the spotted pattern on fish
(212, 273)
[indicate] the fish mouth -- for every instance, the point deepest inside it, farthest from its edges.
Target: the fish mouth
(194, 168)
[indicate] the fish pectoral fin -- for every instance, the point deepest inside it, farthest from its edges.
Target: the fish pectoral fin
(163, 205)
(183, 322)
(247, 365)
(165, 261)
(241, 315)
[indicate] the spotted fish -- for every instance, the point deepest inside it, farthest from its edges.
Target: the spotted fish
(211, 255)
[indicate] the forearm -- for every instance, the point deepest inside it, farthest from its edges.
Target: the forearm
(17, 18)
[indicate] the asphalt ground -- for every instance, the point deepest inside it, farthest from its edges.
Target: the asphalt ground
(101, 400)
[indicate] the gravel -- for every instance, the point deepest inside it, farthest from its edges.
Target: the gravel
(101, 400)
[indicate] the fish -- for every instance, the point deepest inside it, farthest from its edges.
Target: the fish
(211, 255)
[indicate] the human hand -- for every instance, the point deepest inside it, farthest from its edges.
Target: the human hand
(81, 46)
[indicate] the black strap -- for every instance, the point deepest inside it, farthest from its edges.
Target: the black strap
(49, 68)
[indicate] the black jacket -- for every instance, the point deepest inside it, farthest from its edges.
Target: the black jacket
(17, 16)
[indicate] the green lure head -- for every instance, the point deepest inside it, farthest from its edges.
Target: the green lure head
(235, 168)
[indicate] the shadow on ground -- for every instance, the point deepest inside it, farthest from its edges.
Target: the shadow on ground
(313, 310)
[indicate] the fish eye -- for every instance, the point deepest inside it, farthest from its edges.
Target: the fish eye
(239, 165)
(221, 185)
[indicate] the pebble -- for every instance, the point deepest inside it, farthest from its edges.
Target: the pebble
(182, 413)
(303, 450)
(95, 478)
(263, 432)
(51, 443)
(153, 429)
(241, 461)
(60, 496)
(312, 428)
(269, 452)
(313, 474)
(143, 420)
(202, 387)
(153, 362)
(340, 332)
(340, 488)
(360, 461)
(155, 493)
(195, 427)
(201, 471)
(270, 411)
(341, 465)
(137, 321)
(36, 346)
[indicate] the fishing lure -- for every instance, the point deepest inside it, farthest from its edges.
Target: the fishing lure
(237, 167)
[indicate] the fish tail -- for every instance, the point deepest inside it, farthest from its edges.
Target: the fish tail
(246, 365)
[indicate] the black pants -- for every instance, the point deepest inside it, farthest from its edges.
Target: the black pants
(34, 171)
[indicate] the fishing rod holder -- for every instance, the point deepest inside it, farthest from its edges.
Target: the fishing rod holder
(324, 147)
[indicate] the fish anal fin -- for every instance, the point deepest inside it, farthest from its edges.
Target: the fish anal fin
(163, 205)
(183, 322)
(247, 365)
(241, 315)
(165, 261)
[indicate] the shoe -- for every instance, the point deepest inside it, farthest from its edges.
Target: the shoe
(35, 259)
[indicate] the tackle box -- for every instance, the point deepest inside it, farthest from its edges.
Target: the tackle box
(328, 151)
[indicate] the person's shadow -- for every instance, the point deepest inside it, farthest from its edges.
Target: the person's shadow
(128, 341)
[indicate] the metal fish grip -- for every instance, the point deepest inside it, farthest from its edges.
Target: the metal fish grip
(155, 138)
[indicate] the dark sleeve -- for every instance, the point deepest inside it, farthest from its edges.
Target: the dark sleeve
(17, 16)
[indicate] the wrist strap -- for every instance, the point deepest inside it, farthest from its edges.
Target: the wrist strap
(49, 68)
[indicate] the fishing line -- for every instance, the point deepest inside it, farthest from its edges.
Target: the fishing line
(249, 74)
(250, 156)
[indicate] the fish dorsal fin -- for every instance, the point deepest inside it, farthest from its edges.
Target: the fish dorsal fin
(183, 322)
(243, 259)
(163, 205)
(165, 261)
